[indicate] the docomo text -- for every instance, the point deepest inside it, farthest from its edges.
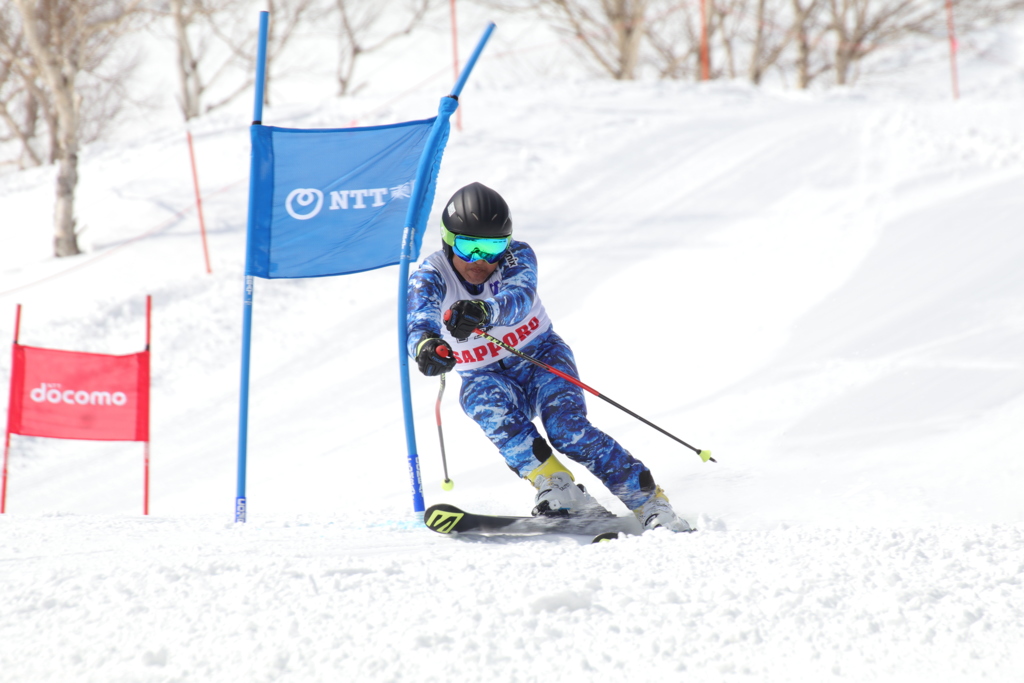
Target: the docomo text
(48, 392)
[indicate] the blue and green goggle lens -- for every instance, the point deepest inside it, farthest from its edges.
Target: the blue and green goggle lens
(471, 249)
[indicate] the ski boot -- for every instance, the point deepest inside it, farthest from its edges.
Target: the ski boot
(559, 496)
(656, 513)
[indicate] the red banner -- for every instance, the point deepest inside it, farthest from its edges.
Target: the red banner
(72, 395)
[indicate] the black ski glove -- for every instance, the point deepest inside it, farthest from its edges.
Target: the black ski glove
(434, 356)
(465, 316)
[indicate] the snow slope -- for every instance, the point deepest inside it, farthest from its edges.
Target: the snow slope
(822, 288)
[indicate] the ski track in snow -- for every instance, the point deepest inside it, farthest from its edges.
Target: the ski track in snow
(321, 599)
(824, 288)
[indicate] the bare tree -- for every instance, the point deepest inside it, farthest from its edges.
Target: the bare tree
(727, 23)
(65, 40)
(768, 40)
(746, 32)
(24, 109)
(808, 37)
(621, 36)
(286, 18)
(19, 108)
(673, 34)
(216, 46)
(862, 26)
(973, 15)
(213, 43)
(184, 15)
(808, 31)
(609, 32)
(358, 20)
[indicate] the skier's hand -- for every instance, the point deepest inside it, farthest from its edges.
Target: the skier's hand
(434, 356)
(465, 316)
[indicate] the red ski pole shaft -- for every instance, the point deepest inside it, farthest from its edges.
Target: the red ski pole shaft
(704, 455)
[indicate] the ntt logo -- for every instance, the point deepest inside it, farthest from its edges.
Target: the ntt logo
(305, 202)
(304, 197)
(54, 393)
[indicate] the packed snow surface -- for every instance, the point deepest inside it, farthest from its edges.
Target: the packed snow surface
(825, 289)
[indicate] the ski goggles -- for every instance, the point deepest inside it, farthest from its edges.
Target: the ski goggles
(471, 249)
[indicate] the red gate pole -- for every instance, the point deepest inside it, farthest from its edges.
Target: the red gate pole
(145, 478)
(7, 450)
(199, 201)
(7, 439)
(455, 60)
(705, 57)
(952, 48)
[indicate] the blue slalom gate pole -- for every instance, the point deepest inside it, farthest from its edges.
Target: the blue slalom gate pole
(464, 76)
(247, 296)
(427, 158)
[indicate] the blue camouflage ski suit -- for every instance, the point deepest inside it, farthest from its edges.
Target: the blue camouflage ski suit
(504, 393)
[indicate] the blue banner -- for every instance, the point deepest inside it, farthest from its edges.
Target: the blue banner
(336, 201)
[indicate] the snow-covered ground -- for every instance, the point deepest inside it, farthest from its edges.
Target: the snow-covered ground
(824, 289)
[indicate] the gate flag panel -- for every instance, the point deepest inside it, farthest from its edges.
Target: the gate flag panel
(76, 395)
(71, 395)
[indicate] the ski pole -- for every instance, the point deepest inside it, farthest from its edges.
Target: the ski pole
(447, 484)
(704, 455)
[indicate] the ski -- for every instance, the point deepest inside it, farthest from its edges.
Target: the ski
(448, 519)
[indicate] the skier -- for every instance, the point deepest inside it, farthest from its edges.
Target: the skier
(483, 279)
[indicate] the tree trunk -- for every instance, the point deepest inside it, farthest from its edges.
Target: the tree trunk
(803, 75)
(611, 31)
(627, 19)
(726, 38)
(65, 240)
(803, 44)
(60, 80)
(843, 12)
(756, 70)
(188, 72)
(842, 63)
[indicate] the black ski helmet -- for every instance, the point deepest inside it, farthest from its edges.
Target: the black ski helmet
(478, 211)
